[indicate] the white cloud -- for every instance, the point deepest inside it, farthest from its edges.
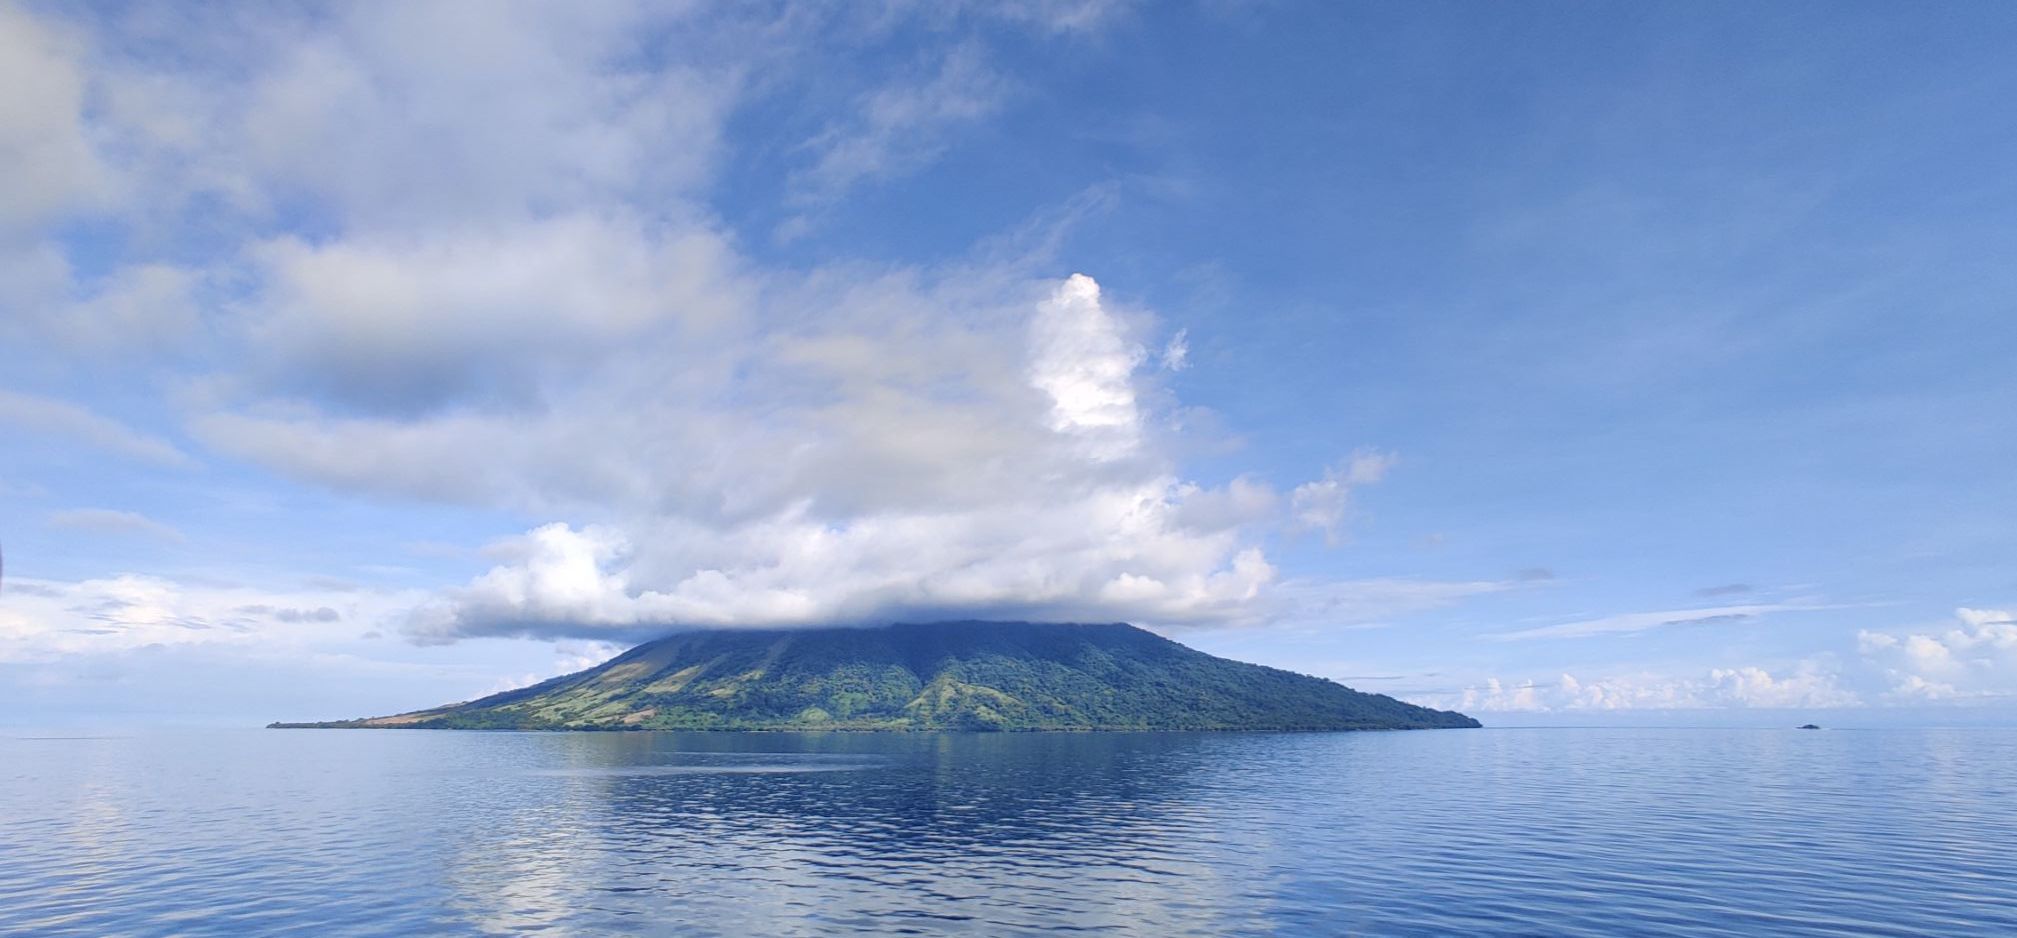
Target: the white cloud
(1086, 365)
(141, 649)
(1070, 563)
(505, 290)
(1177, 354)
(898, 499)
(48, 164)
(235, 117)
(1810, 684)
(150, 309)
(1975, 659)
(110, 521)
(146, 310)
(145, 307)
(886, 448)
(901, 126)
(1323, 504)
(1054, 16)
(60, 418)
(569, 657)
(1635, 622)
(45, 620)
(407, 322)
(532, 107)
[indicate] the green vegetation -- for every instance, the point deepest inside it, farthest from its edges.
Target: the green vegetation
(943, 676)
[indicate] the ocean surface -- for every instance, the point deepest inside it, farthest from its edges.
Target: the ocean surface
(1473, 832)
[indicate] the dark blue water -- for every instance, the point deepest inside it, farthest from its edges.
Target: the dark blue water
(1579, 832)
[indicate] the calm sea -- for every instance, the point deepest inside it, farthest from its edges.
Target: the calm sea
(1496, 831)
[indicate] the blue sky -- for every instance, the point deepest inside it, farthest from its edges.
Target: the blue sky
(1554, 361)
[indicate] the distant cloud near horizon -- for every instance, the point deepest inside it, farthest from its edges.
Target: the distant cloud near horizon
(1807, 687)
(1972, 661)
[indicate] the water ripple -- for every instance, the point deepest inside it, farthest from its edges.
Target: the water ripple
(1587, 832)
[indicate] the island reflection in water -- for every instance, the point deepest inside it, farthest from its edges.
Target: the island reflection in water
(1492, 831)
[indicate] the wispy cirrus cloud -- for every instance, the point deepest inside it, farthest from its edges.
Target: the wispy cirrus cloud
(901, 126)
(1632, 623)
(113, 521)
(1376, 601)
(64, 419)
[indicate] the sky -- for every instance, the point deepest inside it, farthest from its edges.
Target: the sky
(1556, 362)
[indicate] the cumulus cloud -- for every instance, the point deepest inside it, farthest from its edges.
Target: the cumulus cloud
(568, 657)
(1974, 659)
(485, 273)
(1042, 497)
(1810, 684)
(1323, 504)
(1080, 358)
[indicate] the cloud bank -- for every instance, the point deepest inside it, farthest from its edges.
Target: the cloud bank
(1001, 468)
(1972, 661)
(485, 273)
(1975, 659)
(1809, 685)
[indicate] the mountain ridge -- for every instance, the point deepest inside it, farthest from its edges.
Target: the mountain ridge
(924, 676)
